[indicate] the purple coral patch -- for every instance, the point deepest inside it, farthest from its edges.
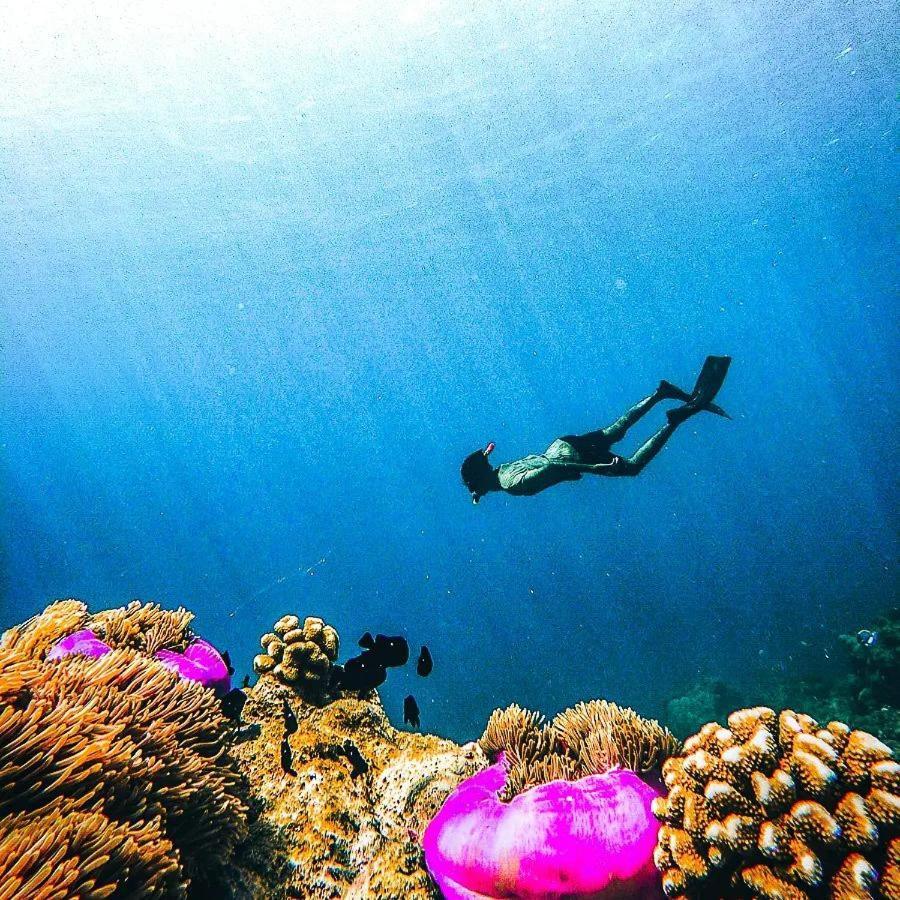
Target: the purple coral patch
(199, 662)
(84, 642)
(588, 838)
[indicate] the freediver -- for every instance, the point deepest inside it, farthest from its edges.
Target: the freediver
(574, 455)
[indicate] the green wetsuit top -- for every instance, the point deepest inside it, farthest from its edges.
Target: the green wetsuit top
(534, 473)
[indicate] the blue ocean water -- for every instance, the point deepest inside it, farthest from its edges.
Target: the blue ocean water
(267, 275)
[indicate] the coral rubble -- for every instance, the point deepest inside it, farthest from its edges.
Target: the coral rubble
(775, 806)
(115, 780)
(300, 656)
(337, 828)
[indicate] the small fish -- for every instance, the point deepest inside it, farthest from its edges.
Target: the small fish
(286, 758)
(233, 704)
(248, 732)
(425, 663)
(246, 682)
(362, 673)
(226, 657)
(351, 751)
(290, 720)
(411, 711)
(391, 651)
(867, 638)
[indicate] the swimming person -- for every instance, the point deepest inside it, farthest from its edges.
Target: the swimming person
(574, 455)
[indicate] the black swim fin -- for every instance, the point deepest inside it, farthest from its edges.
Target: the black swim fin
(709, 381)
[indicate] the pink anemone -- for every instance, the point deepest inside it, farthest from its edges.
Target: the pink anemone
(591, 838)
(199, 662)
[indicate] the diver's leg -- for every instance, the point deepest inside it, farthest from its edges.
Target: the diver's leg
(634, 464)
(619, 428)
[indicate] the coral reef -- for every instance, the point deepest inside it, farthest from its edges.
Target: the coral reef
(775, 806)
(875, 666)
(115, 779)
(588, 739)
(337, 828)
(300, 656)
(593, 837)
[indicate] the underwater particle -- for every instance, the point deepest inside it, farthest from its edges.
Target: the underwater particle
(411, 711)
(287, 757)
(425, 664)
(780, 806)
(351, 752)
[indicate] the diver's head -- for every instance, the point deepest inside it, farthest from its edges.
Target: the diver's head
(477, 473)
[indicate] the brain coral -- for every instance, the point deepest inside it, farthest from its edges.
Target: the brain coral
(114, 776)
(775, 806)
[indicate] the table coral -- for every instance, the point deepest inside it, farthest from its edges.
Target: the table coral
(115, 778)
(775, 806)
(300, 656)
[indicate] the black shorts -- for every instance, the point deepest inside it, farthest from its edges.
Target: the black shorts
(591, 448)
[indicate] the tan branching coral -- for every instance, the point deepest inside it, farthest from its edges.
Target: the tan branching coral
(143, 626)
(114, 773)
(775, 806)
(300, 656)
(610, 736)
(36, 636)
(588, 739)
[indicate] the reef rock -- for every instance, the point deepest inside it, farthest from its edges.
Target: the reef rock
(349, 822)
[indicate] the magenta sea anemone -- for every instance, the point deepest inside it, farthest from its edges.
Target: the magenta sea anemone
(199, 662)
(593, 837)
(84, 642)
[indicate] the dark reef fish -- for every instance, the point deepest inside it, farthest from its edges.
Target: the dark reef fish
(290, 720)
(286, 758)
(233, 704)
(246, 682)
(362, 673)
(351, 751)
(248, 732)
(411, 711)
(425, 663)
(226, 658)
(389, 651)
